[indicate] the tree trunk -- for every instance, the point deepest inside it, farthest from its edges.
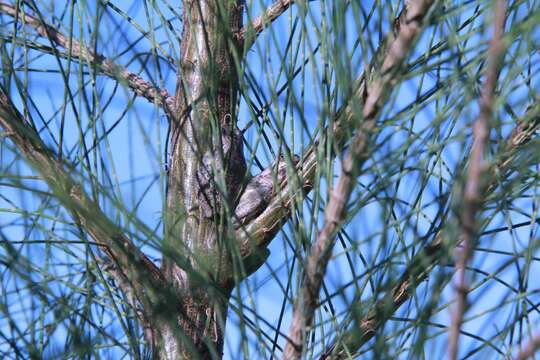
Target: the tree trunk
(199, 331)
(206, 165)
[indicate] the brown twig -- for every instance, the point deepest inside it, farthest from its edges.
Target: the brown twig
(377, 92)
(108, 67)
(530, 349)
(257, 234)
(422, 263)
(474, 192)
(132, 298)
(258, 24)
(143, 275)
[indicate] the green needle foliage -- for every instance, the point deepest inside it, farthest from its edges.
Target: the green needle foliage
(121, 234)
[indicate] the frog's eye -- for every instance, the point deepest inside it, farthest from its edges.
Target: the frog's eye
(227, 120)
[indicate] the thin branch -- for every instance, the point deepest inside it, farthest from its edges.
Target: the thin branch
(132, 298)
(530, 349)
(423, 262)
(251, 31)
(377, 92)
(143, 275)
(108, 67)
(258, 233)
(474, 192)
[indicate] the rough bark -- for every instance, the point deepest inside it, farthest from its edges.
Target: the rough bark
(182, 306)
(206, 171)
(137, 275)
(472, 200)
(102, 64)
(423, 263)
(376, 93)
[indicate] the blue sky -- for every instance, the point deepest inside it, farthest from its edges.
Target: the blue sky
(134, 156)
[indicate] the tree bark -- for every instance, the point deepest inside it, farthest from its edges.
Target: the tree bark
(206, 170)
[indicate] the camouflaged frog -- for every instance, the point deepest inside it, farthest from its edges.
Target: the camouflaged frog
(259, 191)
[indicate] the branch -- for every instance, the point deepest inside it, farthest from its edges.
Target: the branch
(530, 349)
(252, 30)
(257, 233)
(423, 263)
(132, 298)
(377, 92)
(139, 86)
(474, 191)
(145, 278)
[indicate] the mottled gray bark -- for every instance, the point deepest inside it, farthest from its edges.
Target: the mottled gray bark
(183, 305)
(206, 170)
